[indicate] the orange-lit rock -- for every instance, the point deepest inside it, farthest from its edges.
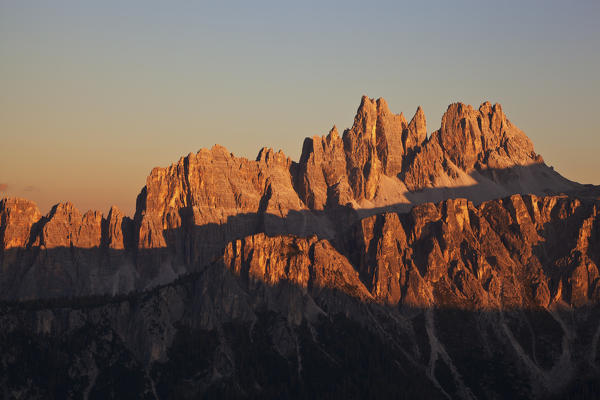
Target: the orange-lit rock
(188, 212)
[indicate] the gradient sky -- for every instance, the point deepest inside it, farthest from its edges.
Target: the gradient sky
(95, 94)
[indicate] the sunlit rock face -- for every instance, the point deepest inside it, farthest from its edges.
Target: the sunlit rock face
(518, 252)
(188, 212)
(449, 265)
(17, 219)
(448, 288)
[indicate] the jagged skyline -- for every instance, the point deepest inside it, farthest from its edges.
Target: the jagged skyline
(380, 234)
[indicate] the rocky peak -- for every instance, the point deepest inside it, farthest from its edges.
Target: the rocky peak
(67, 210)
(65, 226)
(416, 133)
(189, 210)
(486, 107)
(17, 217)
(365, 120)
(61, 228)
(115, 237)
(333, 135)
(244, 257)
(483, 138)
(460, 136)
(373, 146)
(472, 144)
(322, 165)
(268, 156)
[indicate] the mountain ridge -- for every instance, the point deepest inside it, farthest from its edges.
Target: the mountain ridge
(499, 278)
(381, 163)
(326, 277)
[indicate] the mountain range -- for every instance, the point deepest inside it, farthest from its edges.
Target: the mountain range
(385, 263)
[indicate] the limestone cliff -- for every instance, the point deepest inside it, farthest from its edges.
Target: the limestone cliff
(450, 300)
(384, 263)
(189, 211)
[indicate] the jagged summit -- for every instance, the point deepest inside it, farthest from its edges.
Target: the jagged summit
(270, 263)
(381, 163)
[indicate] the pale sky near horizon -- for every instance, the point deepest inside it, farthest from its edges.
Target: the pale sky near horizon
(93, 95)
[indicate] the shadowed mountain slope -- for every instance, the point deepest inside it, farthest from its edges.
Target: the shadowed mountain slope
(447, 301)
(385, 263)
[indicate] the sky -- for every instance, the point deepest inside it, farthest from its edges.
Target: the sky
(93, 95)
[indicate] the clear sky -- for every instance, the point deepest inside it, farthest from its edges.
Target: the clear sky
(95, 94)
